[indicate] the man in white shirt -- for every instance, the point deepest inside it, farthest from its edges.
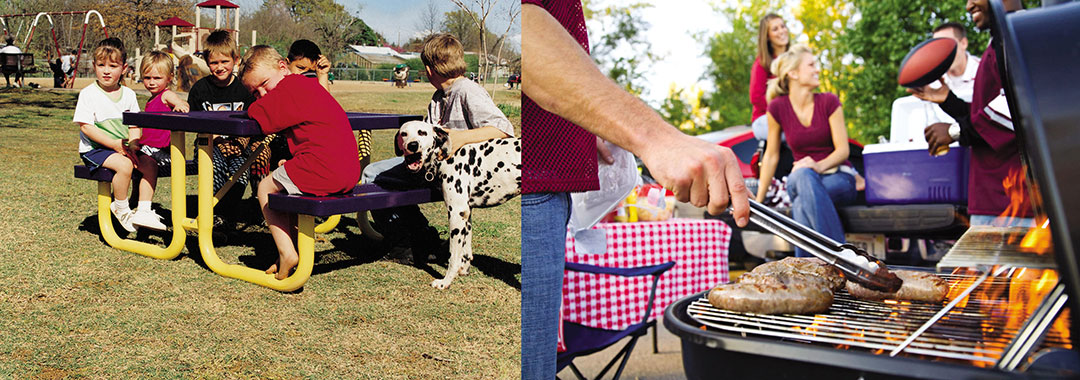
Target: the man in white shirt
(10, 48)
(960, 78)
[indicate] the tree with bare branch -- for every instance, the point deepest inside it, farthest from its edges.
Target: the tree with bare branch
(430, 19)
(479, 17)
(512, 14)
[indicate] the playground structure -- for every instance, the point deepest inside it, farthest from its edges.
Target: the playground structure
(186, 38)
(26, 42)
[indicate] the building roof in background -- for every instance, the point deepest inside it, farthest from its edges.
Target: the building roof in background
(214, 3)
(175, 21)
(384, 53)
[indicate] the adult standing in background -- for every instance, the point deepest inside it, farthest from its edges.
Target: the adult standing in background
(773, 40)
(567, 100)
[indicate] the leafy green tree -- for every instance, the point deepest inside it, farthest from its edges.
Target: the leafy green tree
(883, 35)
(460, 24)
(620, 48)
(823, 22)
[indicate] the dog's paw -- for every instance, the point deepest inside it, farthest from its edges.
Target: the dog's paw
(441, 284)
(464, 271)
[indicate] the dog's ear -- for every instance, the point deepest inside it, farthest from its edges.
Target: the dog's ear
(397, 144)
(442, 143)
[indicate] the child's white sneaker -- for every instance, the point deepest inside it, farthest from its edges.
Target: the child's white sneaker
(148, 219)
(124, 217)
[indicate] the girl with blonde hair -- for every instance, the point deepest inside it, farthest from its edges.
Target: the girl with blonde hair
(813, 123)
(156, 73)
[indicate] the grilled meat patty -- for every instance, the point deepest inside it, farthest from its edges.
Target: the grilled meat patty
(782, 292)
(809, 265)
(918, 286)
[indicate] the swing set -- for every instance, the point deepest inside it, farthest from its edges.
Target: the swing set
(68, 81)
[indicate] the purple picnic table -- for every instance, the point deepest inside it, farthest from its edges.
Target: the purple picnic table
(237, 123)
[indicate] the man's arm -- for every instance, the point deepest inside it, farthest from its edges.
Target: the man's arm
(565, 81)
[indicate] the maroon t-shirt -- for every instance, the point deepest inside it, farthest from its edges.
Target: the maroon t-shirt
(998, 154)
(814, 140)
(556, 155)
(759, 84)
(317, 130)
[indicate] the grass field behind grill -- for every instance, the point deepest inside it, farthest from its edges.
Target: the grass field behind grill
(71, 306)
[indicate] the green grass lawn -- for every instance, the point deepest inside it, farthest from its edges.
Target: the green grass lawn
(71, 306)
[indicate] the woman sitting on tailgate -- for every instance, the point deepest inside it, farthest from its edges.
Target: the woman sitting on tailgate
(821, 177)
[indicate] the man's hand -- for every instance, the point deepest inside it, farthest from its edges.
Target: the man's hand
(937, 135)
(705, 174)
(926, 93)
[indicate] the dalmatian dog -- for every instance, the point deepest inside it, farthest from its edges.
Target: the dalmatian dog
(483, 174)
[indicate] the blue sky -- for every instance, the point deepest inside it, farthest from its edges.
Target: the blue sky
(398, 20)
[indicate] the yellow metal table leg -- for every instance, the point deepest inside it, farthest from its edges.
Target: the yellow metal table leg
(206, 225)
(328, 225)
(179, 208)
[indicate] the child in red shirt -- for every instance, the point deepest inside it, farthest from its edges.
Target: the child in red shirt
(319, 136)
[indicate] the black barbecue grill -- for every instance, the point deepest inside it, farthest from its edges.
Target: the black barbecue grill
(984, 331)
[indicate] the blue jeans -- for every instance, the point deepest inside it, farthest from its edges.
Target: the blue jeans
(543, 255)
(1000, 221)
(813, 200)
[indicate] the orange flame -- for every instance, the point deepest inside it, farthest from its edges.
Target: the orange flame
(1038, 239)
(1014, 188)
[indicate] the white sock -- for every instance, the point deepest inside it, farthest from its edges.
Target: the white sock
(144, 206)
(120, 206)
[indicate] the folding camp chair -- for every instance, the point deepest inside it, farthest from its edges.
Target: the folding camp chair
(583, 340)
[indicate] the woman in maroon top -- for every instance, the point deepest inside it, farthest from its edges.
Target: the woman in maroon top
(814, 125)
(773, 40)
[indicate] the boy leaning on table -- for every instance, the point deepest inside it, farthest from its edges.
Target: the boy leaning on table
(319, 137)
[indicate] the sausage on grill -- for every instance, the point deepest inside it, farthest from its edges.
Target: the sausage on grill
(918, 286)
(783, 292)
(810, 265)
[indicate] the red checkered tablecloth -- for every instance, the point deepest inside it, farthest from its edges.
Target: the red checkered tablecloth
(698, 247)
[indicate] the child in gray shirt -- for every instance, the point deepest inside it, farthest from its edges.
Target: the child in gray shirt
(469, 115)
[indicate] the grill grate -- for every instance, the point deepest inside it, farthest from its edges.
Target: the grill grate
(976, 331)
(986, 245)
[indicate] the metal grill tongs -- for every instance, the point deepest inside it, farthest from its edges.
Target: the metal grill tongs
(856, 264)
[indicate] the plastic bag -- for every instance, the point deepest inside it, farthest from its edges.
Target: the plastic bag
(616, 182)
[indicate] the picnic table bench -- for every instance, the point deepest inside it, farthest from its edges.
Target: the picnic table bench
(362, 198)
(104, 178)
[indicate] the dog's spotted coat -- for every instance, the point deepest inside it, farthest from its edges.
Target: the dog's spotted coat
(479, 175)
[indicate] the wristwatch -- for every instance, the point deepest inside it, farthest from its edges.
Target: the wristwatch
(954, 131)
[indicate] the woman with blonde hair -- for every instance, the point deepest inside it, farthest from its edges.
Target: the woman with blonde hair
(773, 40)
(821, 177)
